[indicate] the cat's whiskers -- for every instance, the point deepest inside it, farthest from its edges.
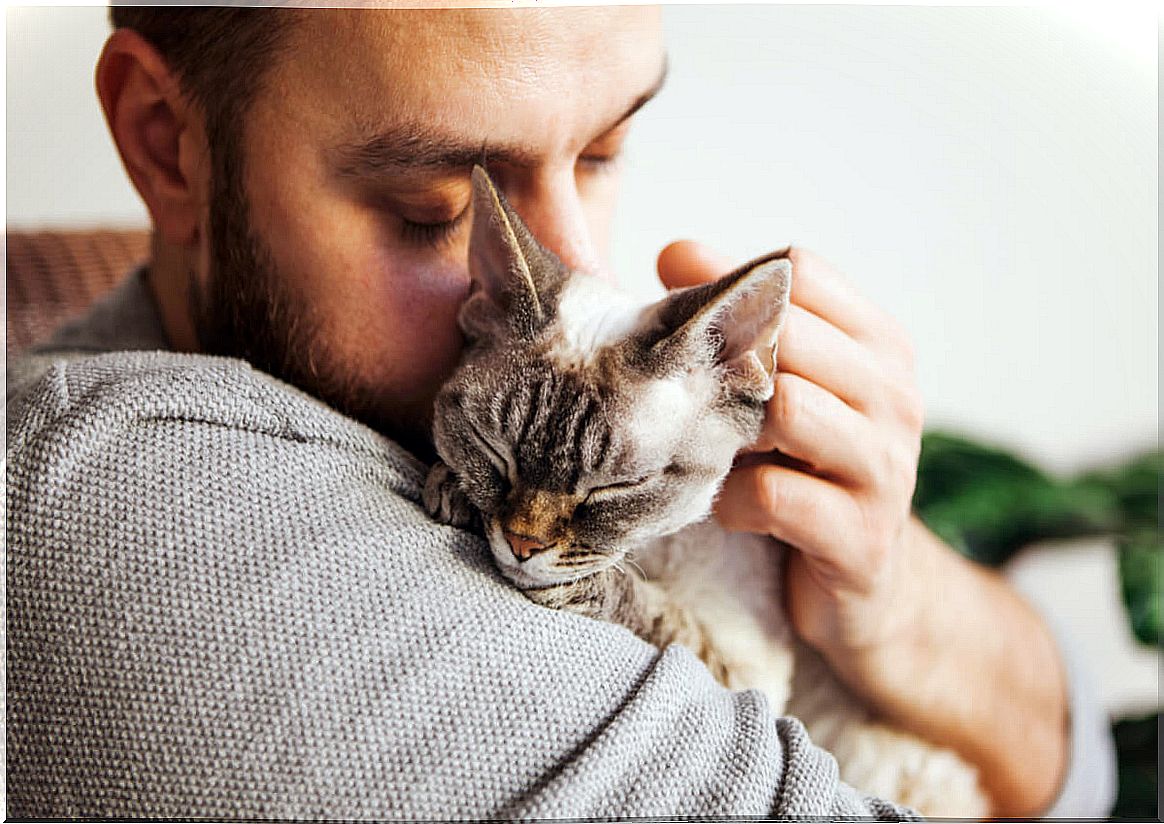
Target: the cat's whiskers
(580, 562)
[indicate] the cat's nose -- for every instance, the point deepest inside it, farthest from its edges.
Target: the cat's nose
(523, 546)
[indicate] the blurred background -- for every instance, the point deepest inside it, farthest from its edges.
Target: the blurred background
(989, 175)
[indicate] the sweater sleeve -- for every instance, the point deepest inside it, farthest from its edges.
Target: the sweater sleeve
(224, 601)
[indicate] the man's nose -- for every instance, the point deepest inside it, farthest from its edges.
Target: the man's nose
(553, 209)
(524, 547)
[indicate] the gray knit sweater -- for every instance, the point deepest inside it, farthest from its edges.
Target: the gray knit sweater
(225, 601)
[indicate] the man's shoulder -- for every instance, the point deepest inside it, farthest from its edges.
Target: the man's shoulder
(205, 453)
(44, 386)
(80, 392)
(186, 466)
(111, 370)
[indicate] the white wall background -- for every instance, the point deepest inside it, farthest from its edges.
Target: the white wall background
(989, 175)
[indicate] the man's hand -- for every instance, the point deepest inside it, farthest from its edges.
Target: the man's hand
(844, 431)
(931, 641)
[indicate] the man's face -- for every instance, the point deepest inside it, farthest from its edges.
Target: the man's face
(351, 230)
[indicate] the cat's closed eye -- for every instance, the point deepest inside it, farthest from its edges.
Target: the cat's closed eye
(600, 493)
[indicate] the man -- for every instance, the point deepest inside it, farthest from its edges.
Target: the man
(224, 598)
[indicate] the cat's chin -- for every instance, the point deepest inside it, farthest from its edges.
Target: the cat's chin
(522, 579)
(538, 571)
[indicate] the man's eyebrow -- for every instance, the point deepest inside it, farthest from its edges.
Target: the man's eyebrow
(643, 99)
(415, 148)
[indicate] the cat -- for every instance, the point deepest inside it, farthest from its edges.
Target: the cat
(587, 436)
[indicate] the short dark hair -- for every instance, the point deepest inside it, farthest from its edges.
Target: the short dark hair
(220, 55)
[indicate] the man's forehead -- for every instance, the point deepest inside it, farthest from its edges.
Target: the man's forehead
(455, 67)
(561, 31)
(512, 44)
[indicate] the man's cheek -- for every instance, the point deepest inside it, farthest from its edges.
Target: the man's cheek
(425, 291)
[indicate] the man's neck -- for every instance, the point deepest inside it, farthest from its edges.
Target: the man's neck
(168, 280)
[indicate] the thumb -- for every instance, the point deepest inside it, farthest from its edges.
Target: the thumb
(688, 263)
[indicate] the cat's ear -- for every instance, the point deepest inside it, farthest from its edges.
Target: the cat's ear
(515, 278)
(732, 323)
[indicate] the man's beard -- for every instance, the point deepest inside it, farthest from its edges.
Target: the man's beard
(245, 310)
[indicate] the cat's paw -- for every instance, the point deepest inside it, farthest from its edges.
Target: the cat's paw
(444, 500)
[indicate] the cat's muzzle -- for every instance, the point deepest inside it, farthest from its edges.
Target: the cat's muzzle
(524, 547)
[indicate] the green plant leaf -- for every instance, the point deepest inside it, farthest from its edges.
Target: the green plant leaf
(1139, 560)
(988, 503)
(1136, 485)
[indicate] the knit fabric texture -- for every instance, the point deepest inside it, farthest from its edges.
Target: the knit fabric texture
(225, 600)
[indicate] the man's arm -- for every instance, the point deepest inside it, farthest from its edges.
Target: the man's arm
(225, 601)
(933, 642)
(970, 665)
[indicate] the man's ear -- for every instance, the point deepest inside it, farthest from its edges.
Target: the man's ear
(515, 278)
(731, 323)
(158, 133)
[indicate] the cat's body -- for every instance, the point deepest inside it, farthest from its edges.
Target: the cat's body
(729, 583)
(589, 436)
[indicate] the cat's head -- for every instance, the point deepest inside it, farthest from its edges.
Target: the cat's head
(582, 424)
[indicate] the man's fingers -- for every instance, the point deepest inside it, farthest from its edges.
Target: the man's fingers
(687, 263)
(814, 426)
(816, 350)
(822, 290)
(816, 516)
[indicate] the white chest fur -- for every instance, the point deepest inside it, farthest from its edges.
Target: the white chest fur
(731, 583)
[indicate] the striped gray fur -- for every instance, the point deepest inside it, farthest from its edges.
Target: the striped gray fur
(592, 454)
